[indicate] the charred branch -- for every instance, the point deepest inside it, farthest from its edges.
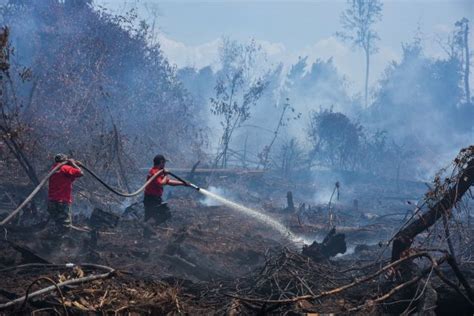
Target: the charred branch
(405, 237)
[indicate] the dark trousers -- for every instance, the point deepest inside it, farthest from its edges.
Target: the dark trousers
(156, 209)
(61, 214)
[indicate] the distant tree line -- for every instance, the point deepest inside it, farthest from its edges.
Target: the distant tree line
(419, 102)
(78, 79)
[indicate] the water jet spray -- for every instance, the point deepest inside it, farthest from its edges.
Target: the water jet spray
(263, 218)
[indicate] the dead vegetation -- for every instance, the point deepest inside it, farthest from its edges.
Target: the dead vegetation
(374, 251)
(211, 260)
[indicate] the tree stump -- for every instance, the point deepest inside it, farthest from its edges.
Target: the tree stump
(333, 244)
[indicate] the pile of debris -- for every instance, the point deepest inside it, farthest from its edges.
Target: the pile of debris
(207, 260)
(287, 282)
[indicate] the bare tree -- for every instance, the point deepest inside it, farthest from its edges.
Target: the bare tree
(264, 155)
(456, 47)
(461, 40)
(12, 130)
(357, 21)
(290, 156)
(91, 61)
(237, 89)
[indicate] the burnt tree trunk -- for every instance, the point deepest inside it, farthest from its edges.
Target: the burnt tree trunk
(289, 202)
(193, 171)
(333, 244)
(17, 151)
(468, 63)
(404, 238)
(118, 151)
(7, 132)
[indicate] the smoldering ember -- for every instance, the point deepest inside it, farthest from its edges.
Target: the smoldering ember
(236, 157)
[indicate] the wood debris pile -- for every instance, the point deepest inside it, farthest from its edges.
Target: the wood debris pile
(208, 260)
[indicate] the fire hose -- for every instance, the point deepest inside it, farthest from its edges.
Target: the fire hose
(189, 184)
(140, 189)
(32, 194)
(118, 192)
(56, 168)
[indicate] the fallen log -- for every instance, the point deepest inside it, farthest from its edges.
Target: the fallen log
(319, 228)
(454, 192)
(27, 255)
(209, 171)
(81, 280)
(404, 238)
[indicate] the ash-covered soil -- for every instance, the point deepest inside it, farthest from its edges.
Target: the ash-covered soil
(210, 259)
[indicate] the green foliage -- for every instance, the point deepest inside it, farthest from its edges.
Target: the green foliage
(358, 20)
(339, 143)
(334, 138)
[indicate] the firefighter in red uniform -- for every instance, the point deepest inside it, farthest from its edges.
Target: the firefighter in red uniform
(60, 192)
(154, 206)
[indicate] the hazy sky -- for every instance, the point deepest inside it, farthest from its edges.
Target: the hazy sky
(189, 31)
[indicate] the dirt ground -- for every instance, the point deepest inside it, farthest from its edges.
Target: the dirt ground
(210, 259)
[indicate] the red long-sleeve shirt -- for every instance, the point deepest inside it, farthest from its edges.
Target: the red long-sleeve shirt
(60, 183)
(155, 188)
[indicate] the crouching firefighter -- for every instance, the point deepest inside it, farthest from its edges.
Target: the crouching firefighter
(153, 202)
(60, 193)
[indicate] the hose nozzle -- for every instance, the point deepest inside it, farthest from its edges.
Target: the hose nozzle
(189, 184)
(194, 186)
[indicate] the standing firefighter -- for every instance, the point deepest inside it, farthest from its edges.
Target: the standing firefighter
(154, 206)
(60, 192)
